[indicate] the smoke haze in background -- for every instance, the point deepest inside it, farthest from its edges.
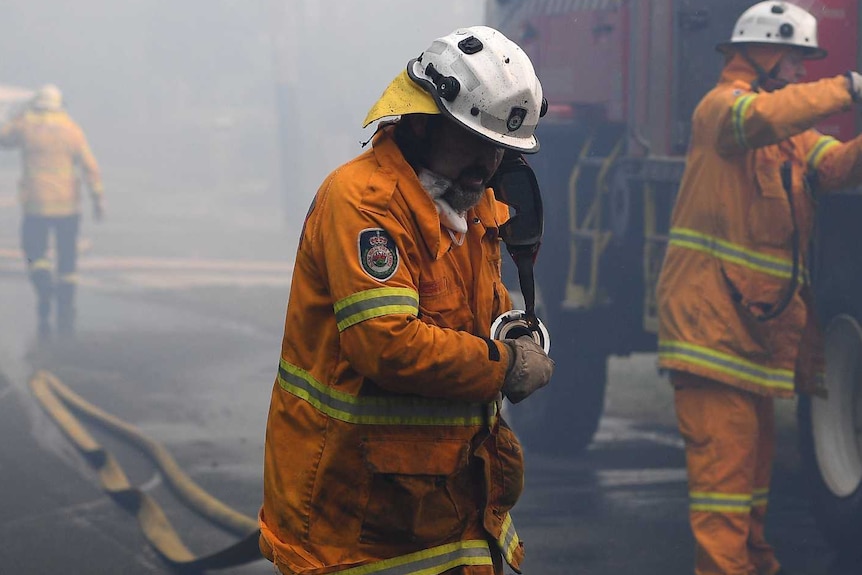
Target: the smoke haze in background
(183, 100)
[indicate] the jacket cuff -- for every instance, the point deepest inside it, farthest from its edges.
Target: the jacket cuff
(850, 87)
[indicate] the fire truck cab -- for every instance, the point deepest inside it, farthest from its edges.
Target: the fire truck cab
(622, 78)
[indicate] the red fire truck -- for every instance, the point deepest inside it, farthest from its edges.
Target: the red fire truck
(622, 78)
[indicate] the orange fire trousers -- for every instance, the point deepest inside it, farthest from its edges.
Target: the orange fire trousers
(729, 444)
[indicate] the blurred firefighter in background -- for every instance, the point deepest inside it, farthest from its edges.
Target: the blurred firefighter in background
(737, 324)
(385, 449)
(52, 147)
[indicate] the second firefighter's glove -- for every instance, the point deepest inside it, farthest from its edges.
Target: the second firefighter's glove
(530, 369)
(854, 81)
(98, 208)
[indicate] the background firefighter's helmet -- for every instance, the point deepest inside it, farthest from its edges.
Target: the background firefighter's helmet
(48, 97)
(781, 23)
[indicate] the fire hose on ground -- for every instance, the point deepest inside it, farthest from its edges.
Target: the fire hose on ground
(57, 399)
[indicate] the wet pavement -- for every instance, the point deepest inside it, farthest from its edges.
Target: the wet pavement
(186, 348)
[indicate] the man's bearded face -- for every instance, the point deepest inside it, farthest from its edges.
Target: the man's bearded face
(465, 159)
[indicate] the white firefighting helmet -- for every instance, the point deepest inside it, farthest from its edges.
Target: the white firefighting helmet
(478, 78)
(774, 22)
(48, 97)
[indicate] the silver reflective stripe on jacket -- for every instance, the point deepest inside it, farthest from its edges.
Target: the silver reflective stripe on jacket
(388, 410)
(429, 561)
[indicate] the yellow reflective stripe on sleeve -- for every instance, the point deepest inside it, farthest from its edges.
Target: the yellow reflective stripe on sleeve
(508, 540)
(734, 253)
(719, 502)
(740, 108)
(40, 264)
(429, 561)
(375, 303)
(748, 371)
(378, 410)
(760, 498)
(823, 145)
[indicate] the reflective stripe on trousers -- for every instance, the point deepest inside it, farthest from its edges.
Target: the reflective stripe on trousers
(729, 442)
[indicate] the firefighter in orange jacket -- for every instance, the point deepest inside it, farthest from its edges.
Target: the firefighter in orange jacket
(385, 449)
(737, 326)
(52, 147)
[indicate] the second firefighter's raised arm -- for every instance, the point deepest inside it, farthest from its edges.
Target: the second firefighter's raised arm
(835, 164)
(749, 119)
(371, 262)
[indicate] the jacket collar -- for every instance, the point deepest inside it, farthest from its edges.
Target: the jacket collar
(739, 69)
(437, 240)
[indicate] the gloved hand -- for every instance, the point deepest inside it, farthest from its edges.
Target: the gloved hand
(530, 369)
(854, 84)
(98, 209)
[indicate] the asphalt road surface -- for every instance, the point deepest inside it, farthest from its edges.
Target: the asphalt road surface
(182, 341)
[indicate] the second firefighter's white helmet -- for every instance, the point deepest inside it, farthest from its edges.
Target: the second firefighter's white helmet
(48, 98)
(486, 83)
(775, 22)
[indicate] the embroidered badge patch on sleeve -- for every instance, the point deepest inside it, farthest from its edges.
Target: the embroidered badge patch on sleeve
(378, 254)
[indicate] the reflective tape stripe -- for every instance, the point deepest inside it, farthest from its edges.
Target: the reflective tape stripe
(40, 264)
(823, 145)
(734, 253)
(387, 410)
(508, 540)
(50, 171)
(748, 371)
(740, 107)
(720, 502)
(375, 303)
(760, 498)
(429, 561)
(68, 278)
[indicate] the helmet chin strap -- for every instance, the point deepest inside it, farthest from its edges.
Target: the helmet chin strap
(765, 80)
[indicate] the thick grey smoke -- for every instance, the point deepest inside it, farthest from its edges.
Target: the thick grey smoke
(219, 108)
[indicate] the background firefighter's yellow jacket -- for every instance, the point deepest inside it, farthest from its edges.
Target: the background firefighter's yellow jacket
(383, 440)
(52, 147)
(729, 256)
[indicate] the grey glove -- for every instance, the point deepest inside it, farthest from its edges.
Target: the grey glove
(530, 369)
(854, 84)
(98, 211)
(98, 206)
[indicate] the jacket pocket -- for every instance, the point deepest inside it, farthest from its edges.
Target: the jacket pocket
(415, 495)
(512, 463)
(503, 460)
(753, 295)
(441, 303)
(769, 218)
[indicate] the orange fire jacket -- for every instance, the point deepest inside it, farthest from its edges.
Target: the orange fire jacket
(383, 444)
(52, 145)
(729, 257)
